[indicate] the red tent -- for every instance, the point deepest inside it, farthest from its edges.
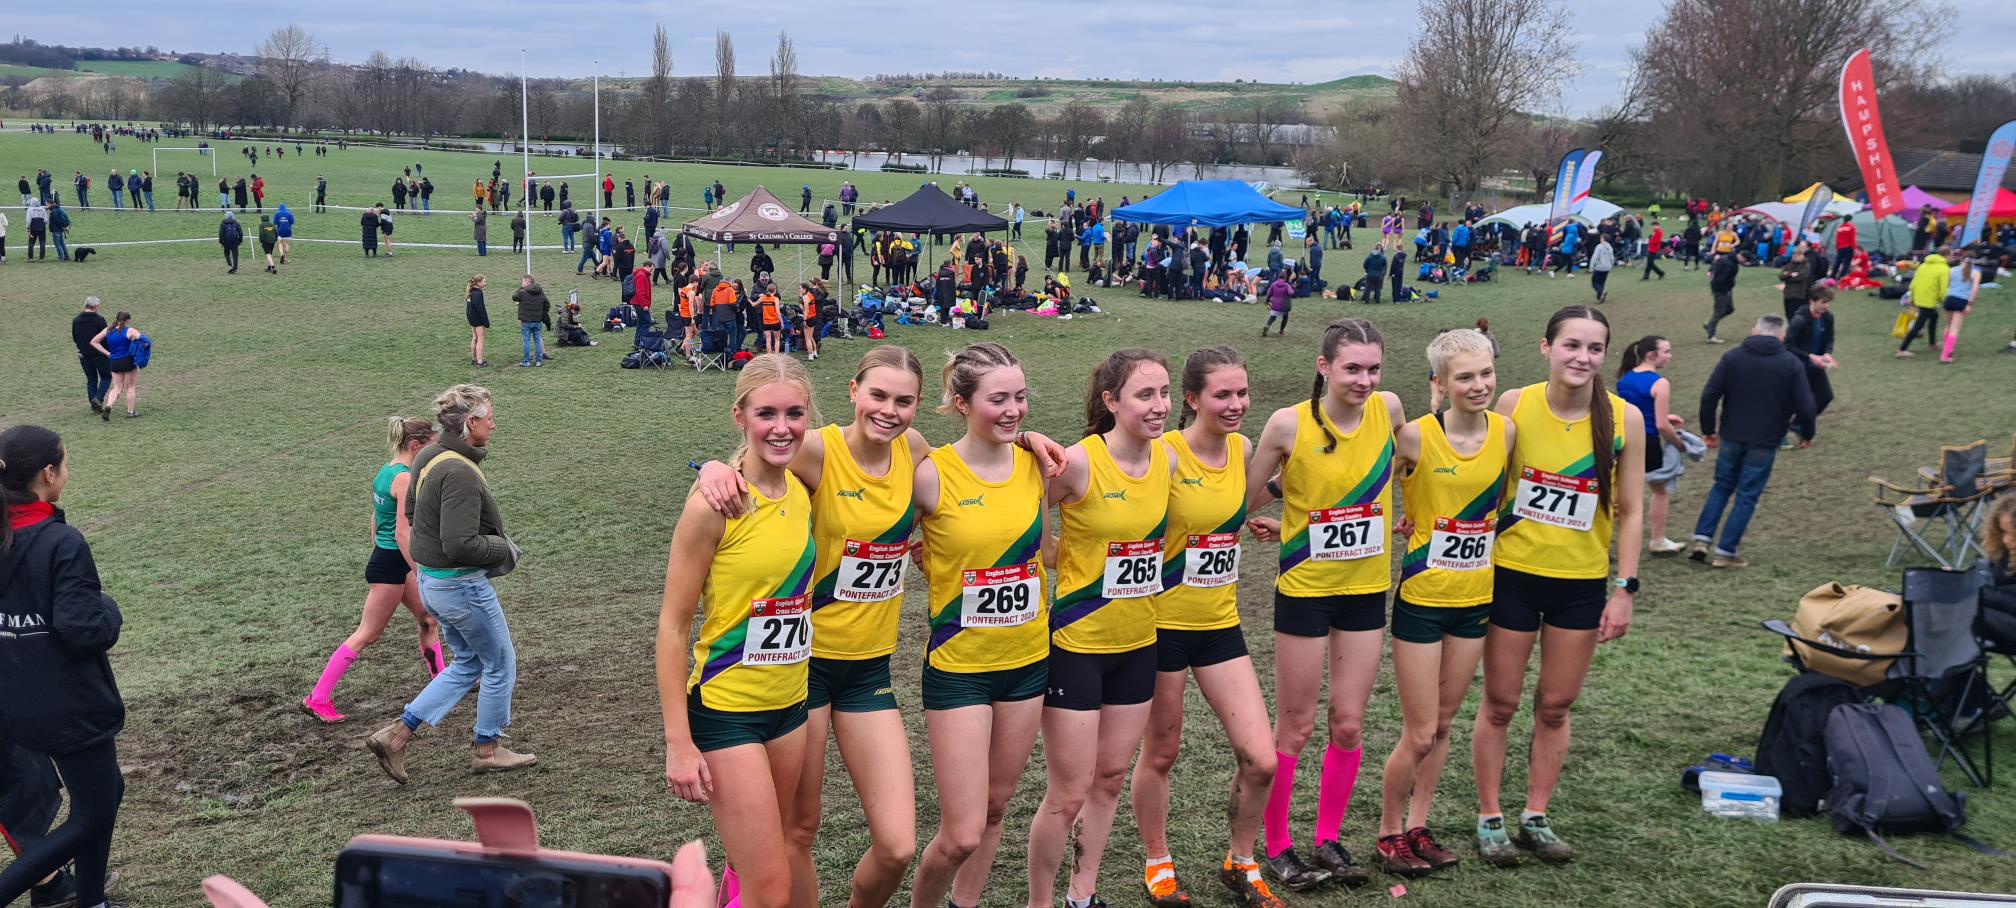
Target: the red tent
(2004, 207)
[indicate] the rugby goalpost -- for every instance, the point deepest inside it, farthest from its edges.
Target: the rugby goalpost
(205, 152)
(525, 154)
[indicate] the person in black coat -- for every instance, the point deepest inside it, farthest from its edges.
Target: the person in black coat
(239, 194)
(1811, 338)
(57, 694)
(1996, 625)
(368, 221)
(1759, 389)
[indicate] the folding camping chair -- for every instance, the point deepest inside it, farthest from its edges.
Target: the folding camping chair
(1952, 498)
(655, 346)
(1941, 676)
(713, 349)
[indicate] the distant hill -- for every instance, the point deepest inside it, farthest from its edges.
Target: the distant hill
(1045, 96)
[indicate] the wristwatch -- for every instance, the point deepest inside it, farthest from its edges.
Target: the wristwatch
(1627, 584)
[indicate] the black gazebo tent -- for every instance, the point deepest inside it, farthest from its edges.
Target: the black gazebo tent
(930, 210)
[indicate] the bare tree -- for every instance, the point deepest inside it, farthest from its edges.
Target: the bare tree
(941, 119)
(1168, 139)
(899, 122)
(724, 88)
(1010, 125)
(1535, 147)
(195, 97)
(1077, 124)
(1746, 128)
(1264, 119)
(292, 59)
(784, 101)
(1474, 66)
(652, 116)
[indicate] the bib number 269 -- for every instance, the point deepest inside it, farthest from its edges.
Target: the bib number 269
(1000, 597)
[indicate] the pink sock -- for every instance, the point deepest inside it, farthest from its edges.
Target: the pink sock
(431, 654)
(339, 662)
(1274, 820)
(1951, 339)
(1333, 798)
(730, 895)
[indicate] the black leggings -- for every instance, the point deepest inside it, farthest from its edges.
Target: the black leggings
(92, 777)
(1927, 321)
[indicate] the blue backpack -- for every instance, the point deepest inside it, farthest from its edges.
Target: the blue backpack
(143, 351)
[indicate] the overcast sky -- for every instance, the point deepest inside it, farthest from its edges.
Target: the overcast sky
(1272, 40)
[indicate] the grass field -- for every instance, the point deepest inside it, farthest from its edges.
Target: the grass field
(230, 524)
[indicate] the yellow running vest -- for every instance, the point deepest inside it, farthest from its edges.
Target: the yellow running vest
(862, 526)
(757, 633)
(1453, 501)
(1549, 522)
(1200, 562)
(1109, 555)
(983, 561)
(1337, 507)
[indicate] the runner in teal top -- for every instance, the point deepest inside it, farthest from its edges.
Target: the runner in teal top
(385, 506)
(389, 573)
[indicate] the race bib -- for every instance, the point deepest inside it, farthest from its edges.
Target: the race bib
(1133, 569)
(1348, 533)
(1556, 500)
(780, 631)
(1460, 545)
(1000, 597)
(1211, 560)
(870, 571)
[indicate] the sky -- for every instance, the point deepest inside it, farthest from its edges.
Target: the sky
(1272, 40)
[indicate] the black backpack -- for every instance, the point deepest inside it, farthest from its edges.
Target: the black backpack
(1885, 781)
(1793, 747)
(629, 286)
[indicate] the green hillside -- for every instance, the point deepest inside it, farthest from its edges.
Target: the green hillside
(1046, 96)
(138, 69)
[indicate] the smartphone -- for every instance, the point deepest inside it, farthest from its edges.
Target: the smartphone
(374, 872)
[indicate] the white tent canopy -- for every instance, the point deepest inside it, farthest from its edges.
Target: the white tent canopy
(1592, 211)
(1787, 212)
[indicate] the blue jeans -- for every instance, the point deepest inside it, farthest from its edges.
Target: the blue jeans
(426, 203)
(117, 201)
(472, 626)
(528, 334)
(150, 199)
(62, 249)
(482, 246)
(83, 198)
(223, 200)
(97, 375)
(587, 256)
(1741, 470)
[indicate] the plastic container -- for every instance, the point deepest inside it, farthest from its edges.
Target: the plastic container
(1735, 794)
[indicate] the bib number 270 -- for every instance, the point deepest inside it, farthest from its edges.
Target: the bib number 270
(780, 631)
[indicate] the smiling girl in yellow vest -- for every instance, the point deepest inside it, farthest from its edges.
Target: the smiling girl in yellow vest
(735, 726)
(1575, 484)
(1197, 631)
(1452, 474)
(1335, 457)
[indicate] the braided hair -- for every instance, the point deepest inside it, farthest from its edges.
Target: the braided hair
(1340, 333)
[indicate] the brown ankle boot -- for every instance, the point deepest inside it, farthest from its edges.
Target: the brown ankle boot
(389, 744)
(497, 758)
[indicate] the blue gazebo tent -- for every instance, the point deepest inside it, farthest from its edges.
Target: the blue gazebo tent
(1208, 203)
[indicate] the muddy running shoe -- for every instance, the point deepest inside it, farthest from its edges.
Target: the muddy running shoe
(1335, 858)
(323, 710)
(1247, 888)
(1297, 876)
(1159, 881)
(1698, 551)
(1494, 846)
(1424, 845)
(1537, 835)
(1393, 855)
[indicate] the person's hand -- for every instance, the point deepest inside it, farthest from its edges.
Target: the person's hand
(686, 772)
(692, 882)
(1049, 454)
(1616, 621)
(1265, 529)
(1675, 420)
(1827, 361)
(1710, 440)
(724, 490)
(1404, 527)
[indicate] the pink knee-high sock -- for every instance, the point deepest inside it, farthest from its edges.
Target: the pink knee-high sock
(431, 654)
(1274, 820)
(730, 894)
(1333, 798)
(1951, 339)
(339, 662)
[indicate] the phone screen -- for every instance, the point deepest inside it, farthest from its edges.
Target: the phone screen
(391, 877)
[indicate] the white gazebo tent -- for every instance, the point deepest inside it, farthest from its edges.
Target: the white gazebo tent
(1593, 211)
